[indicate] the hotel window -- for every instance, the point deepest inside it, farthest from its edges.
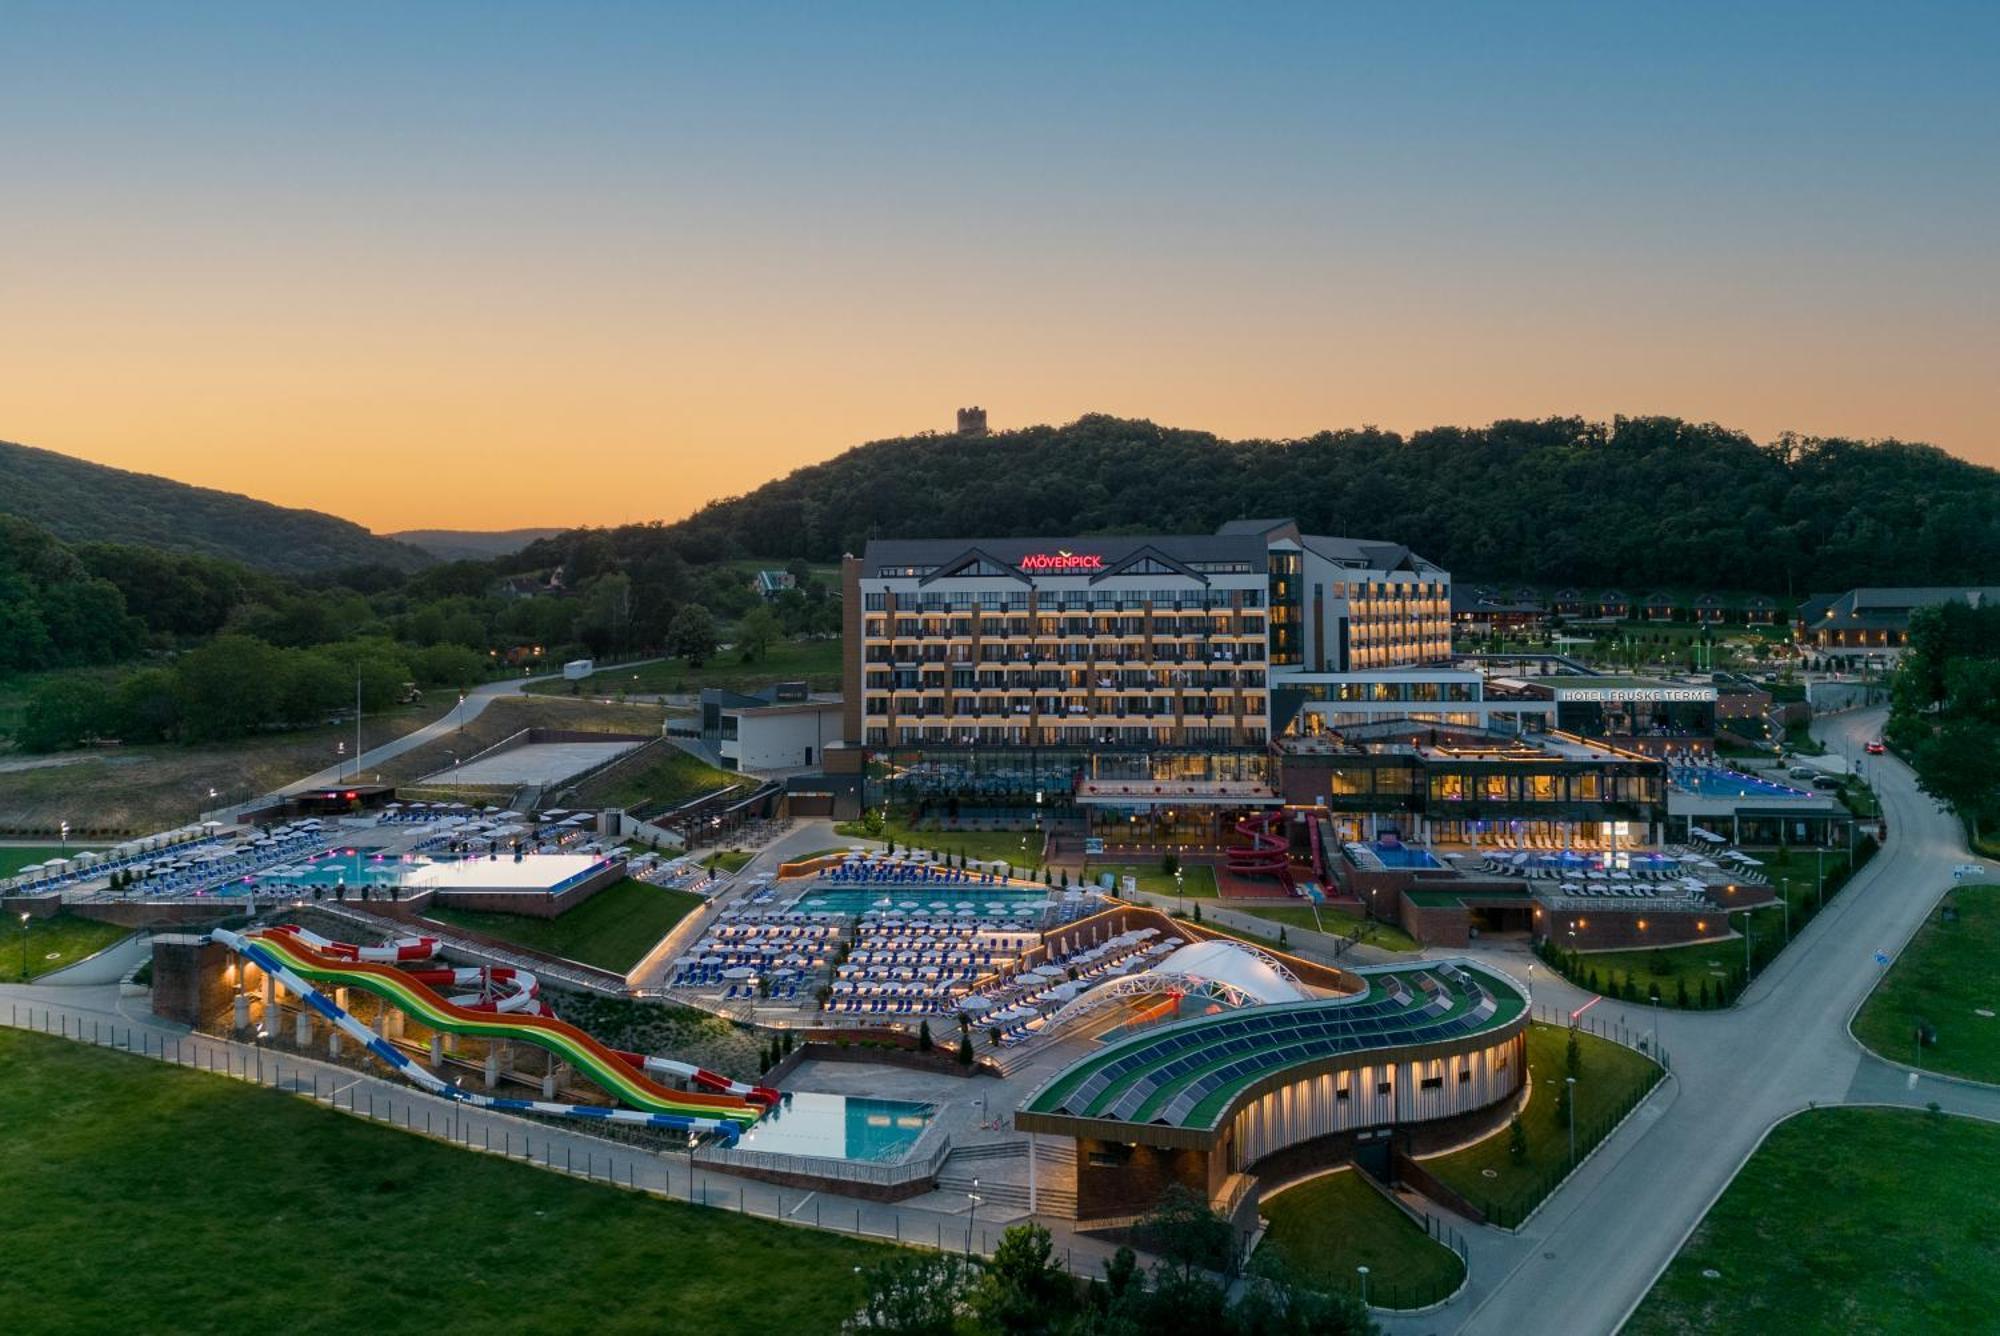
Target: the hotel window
(1383, 1087)
(1465, 1076)
(874, 603)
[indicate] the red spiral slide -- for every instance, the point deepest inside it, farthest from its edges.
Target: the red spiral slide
(1266, 855)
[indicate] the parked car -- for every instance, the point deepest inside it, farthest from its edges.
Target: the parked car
(1826, 782)
(1803, 772)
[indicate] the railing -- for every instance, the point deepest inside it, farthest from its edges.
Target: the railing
(913, 1169)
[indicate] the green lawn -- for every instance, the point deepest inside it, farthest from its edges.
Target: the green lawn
(1846, 1220)
(15, 857)
(729, 860)
(1337, 923)
(1614, 1077)
(979, 845)
(815, 662)
(1948, 974)
(125, 1192)
(665, 777)
(613, 930)
(1327, 1226)
(1197, 879)
(52, 943)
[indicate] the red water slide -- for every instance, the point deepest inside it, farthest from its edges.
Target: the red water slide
(1266, 854)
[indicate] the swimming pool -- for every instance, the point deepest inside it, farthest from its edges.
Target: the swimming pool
(839, 1127)
(354, 867)
(1402, 855)
(1712, 783)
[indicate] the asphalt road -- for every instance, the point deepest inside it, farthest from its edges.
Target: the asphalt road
(1587, 1259)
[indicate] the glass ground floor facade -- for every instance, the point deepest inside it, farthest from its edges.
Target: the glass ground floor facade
(1044, 779)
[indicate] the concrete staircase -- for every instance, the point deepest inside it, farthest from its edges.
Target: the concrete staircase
(1001, 1169)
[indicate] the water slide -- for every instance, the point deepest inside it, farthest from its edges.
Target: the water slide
(389, 953)
(299, 967)
(1267, 854)
(702, 1077)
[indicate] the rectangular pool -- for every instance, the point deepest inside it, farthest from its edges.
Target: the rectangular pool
(943, 901)
(1402, 855)
(839, 1127)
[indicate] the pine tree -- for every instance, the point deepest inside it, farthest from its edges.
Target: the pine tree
(1517, 1139)
(1573, 1054)
(1681, 994)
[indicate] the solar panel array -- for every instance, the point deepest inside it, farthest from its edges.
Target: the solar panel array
(1165, 1079)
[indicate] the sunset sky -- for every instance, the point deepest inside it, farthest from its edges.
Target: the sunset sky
(502, 264)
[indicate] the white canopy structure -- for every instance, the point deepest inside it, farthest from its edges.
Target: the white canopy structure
(1232, 973)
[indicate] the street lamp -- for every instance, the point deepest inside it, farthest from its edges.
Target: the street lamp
(1362, 1272)
(971, 1214)
(24, 947)
(1572, 1119)
(694, 1138)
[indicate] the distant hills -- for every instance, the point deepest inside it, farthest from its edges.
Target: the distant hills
(470, 544)
(83, 502)
(1636, 502)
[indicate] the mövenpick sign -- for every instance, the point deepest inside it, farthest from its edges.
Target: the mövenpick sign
(1062, 562)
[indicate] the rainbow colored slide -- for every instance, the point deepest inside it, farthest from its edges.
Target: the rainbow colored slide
(285, 955)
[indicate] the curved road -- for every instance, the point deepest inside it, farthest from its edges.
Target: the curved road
(1587, 1259)
(476, 701)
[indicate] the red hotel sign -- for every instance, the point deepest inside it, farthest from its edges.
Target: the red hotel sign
(1058, 563)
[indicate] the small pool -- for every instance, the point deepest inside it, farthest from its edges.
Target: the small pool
(839, 1127)
(1712, 783)
(1403, 855)
(929, 901)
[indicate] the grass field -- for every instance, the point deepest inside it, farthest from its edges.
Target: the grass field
(662, 775)
(1327, 1226)
(15, 857)
(1948, 974)
(815, 662)
(1337, 923)
(125, 791)
(613, 929)
(1846, 1220)
(1197, 879)
(729, 860)
(119, 1197)
(52, 943)
(980, 845)
(1613, 1078)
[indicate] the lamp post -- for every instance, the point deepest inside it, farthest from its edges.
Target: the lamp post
(971, 1214)
(65, 837)
(1572, 1119)
(694, 1138)
(24, 947)
(1362, 1272)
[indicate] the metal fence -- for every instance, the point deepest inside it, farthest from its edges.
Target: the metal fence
(669, 1175)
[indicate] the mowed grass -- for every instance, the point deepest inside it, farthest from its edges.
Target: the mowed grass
(1947, 975)
(1613, 1078)
(136, 1196)
(1327, 1226)
(978, 845)
(1337, 923)
(815, 662)
(612, 930)
(1197, 879)
(664, 776)
(1846, 1220)
(15, 857)
(52, 943)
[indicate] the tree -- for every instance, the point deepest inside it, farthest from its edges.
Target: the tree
(1517, 1138)
(1024, 1289)
(918, 1295)
(65, 712)
(1960, 767)
(1573, 1054)
(1559, 1113)
(692, 635)
(1188, 1236)
(924, 1042)
(965, 1050)
(757, 632)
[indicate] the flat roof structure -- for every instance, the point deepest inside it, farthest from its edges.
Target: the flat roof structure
(539, 873)
(1179, 1084)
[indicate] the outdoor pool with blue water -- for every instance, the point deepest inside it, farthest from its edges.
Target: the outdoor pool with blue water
(1732, 784)
(1402, 855)
(839, 1127)
(353, 867)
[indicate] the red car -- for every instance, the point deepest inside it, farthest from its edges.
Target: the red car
(1875, 748)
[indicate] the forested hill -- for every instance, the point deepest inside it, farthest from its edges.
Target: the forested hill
(1640, 502)
(83, 502)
